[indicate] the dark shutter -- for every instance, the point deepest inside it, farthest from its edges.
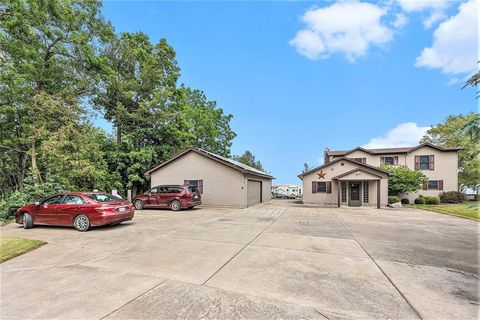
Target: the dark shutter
(395, 160)
(200, 186)
(186, 182)
(329, 186)
(364, 160)
(382, 160)
(432, 162)
(425, 185)
(314, 186)
(440, 184)
(417, 162)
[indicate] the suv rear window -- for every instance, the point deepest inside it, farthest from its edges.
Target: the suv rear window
(103, 197)
(193, 189)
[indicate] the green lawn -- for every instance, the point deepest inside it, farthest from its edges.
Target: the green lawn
(12, 247)
(468, 210)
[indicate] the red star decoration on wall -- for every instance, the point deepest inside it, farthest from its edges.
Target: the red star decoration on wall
(321, 174)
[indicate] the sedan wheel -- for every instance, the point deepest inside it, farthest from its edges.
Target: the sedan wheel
(138, 204)
(175, 205)
(82, 223)
(27, 221)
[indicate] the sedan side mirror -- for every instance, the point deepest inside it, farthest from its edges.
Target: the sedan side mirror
(37, 203)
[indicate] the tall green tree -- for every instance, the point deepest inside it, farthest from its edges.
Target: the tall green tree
(139, 81)
(48, 53)
(249, 159)
(450, 134)
(207, 126)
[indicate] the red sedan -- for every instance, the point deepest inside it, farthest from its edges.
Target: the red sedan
(80, 209)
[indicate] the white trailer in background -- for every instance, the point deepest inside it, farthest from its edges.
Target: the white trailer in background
(287, 191)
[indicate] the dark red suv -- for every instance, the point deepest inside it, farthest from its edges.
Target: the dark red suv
(175, 197)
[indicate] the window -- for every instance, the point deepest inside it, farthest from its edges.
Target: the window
(361, 160)
(424, 163)
(195, 183)
(153, 191)
(73, 199)
(365, 191)
(103, 197)
(344, 191)
(193, 189)
(389, 161)
(53, 200)
(432, 184)
(321, 186)
(162, 190)
(174, 190)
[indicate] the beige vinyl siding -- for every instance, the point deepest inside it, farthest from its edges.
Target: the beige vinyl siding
(445, 168)
(222, 185)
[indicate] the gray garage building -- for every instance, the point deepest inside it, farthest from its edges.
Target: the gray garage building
(222, 181)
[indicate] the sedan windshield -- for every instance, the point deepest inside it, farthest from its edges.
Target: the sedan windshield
(103, 197)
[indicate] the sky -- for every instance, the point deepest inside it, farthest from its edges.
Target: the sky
(299, 77)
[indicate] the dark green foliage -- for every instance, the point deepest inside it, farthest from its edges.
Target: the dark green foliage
(405, 201)
(452, 197)
(432, 200)
(461, 131)
(249, 159)
(420, 200)
(393, 199)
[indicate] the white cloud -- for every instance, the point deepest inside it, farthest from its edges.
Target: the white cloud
(433, 19)
(348, 27)
(403, 135)
(420, 5)
(400, 21)
(436, 9)
(455, 43)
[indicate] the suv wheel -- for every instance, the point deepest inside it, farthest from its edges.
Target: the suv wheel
(138, 204)
(175, 205)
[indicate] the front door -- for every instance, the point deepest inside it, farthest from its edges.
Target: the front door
(354, 200)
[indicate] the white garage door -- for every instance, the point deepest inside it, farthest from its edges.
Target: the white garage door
(254, 190)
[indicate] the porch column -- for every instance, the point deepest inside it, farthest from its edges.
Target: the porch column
(338, 192)
(378, 193)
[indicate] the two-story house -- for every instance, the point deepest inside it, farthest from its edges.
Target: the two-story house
(353, 177)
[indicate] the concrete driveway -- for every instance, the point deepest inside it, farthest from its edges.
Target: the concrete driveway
(277, 260)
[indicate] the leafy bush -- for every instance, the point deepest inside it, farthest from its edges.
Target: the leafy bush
(405, 201)
(452, 197)
(432, 200)
(420, 200)
(393, 199)
(404, 179)
(29, 194)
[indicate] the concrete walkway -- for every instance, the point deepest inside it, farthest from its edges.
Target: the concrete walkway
(276, 260)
